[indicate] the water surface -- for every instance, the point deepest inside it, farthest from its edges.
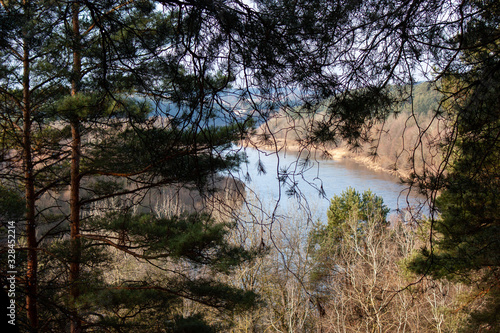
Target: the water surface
(310, 184)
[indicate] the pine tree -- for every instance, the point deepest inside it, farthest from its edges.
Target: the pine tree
(115, 137)
(465, 243)
(30, 149)
(106, 72)
(348, 266)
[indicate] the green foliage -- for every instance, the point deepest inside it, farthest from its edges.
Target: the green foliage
(171, 156)
(425, 99)
(187, 54)
(192, 324)
(466, 242)
(363, 208)
(366, 207)
(170, 261)
(193, 237)
(135, 57)
(12, 204)
(350, 115)
(194, 241)
(349, 216)
(465, 247)
(53, 280)
(95, 106)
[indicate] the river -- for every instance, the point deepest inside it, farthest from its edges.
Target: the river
(311, 184)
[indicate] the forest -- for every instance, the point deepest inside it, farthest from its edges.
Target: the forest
(389, 145)
(123, 127)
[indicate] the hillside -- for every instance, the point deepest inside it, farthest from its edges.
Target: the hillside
(405, 141)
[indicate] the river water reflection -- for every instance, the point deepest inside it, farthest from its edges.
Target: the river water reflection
(307, 180)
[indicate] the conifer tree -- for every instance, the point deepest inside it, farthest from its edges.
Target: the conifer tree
(350, 215)
(114, 137)
(29, 148)
(465, 243)
(109, 141)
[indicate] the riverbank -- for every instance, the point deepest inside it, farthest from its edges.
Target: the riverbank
(336, 153)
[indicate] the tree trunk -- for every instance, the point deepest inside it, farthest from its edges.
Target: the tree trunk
(75, 225)
(29, 182)
(76, 322)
